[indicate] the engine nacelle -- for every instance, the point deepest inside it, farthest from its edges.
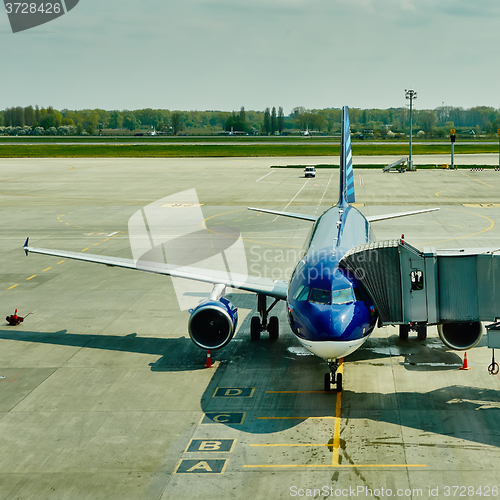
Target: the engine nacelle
(461, 336)
(213, 323)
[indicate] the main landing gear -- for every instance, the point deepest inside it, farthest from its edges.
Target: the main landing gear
(333, 378)
(258, 325)
(421, 330)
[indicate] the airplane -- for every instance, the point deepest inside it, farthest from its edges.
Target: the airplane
(329, 311)
(306, 132)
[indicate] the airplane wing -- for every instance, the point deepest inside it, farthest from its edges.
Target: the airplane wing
(267, 286)
(375, 218)
(311, 218)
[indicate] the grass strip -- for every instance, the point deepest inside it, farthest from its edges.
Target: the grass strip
(218, 150)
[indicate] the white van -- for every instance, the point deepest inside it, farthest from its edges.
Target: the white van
(310, 172)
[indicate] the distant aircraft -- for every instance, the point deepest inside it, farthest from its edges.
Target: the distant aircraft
(328, 308)
(306, 132)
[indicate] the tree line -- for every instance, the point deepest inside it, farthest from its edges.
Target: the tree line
(368, 122)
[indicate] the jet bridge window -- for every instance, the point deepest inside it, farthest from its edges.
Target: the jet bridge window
(343, 296)
(320, 296)
(417, 280)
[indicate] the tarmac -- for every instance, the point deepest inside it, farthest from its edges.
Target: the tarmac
(104, 396)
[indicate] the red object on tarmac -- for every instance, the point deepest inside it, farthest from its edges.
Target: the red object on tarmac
(209, 363)
(14, 319)
(465, 366)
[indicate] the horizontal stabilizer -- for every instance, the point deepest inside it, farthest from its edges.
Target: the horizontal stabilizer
(311, 218)
(375, 218)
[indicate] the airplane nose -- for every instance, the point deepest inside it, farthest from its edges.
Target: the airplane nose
(341, 320)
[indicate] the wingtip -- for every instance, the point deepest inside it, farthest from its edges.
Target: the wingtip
(26, 251)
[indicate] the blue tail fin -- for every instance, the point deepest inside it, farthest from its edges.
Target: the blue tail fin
(346, 174)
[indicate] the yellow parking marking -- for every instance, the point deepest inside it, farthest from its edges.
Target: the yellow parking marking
(293, 444)
(295, 392)
(46, 269)
(339, 466)
(13, 286)
(292, 418)
(336, 432)
(30, 277)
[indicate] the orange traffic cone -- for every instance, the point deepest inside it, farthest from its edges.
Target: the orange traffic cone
(209, 363)
(465, 366)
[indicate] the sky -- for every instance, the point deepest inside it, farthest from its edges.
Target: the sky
(224, 54)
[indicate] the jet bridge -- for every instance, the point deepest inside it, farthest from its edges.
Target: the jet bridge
(430, 286)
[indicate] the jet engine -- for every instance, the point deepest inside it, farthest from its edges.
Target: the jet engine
(461, 336)
(213, 323)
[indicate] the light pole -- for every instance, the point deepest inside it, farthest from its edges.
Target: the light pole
(410, 94)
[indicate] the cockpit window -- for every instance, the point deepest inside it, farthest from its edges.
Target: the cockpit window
(320, 296)
(342, 296)
(302, 293)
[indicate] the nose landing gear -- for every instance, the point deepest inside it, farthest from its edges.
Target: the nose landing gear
(333, 378)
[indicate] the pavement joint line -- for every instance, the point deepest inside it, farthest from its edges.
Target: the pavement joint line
(298, 192)
(265, 176)
(470, 176)
(467, 235)
(204, 225)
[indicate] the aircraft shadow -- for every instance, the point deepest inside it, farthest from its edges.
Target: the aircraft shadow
(286, 382)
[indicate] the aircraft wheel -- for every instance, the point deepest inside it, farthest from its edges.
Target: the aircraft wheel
(328, 382)
(422, 332)
(273, 328)
(339, 382)
(255, 328)
(404, 330)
